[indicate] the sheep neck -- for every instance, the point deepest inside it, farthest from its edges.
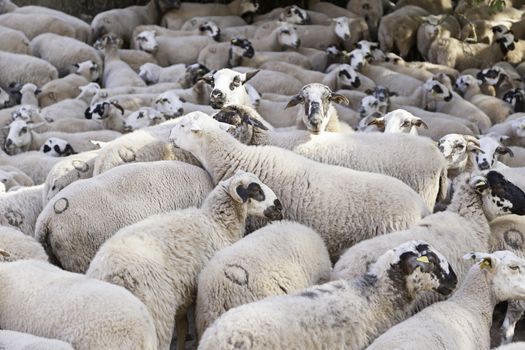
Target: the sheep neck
(476, 295)
(226, 212)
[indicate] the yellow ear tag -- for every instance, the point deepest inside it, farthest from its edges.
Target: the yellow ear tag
(423, 259)
(485, 264)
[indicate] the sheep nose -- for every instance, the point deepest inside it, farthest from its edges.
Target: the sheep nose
(127, 128)
(484, 165)
(8, 143)
(274, 212)
(297, 43)
(217, 94)
(180, 111)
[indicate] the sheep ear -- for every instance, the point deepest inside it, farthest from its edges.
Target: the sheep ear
(294, 101)
(337, 98)
(505, 150)
(250, 75)
(119, 107)
(418, 122)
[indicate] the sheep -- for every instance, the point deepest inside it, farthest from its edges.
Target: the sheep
(206, 27)
(172, 50)
(516, 160)
(514, 129)
(25, 341)
(13, 179)
(492, 148)
(25, 69)
(34, 24)
(172, 106)
(281, 37)
(332, 10)
(152, 73)
(89, 70)
(56, 147)
(297, 252)
(409, 206)
(293, 14)
(63, 52)
(431, 27)
(110, 113)
(371, 10)
(121, 22)
(116, 72)
(14, 41)
(229, 33)
(35, 164)
(218, 223)
(61, 89)
(515, 97)
(15, 245)
(399, 121)
(496, 109)
(144, 117)
(344, 314)
(464, 320)
(20, 209)
(111, 317)
(21, 138)
(29, 92)
(363, 152)
(496, 81)
(198, 22)
(174, 19)
(394, 81)
(77, 167)
(228, 87)
(58, 229)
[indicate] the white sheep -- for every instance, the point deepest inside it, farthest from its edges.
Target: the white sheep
(21, 138)
(88, 69)
(290, 175)
(34, 24)
(344, 314)
(513, 128)
(35, 164)
(153, 73)
(14, 41)
(171, 105)
(218, 223)
(399, 121)
(121, 22)
(63, 52)
(117, 73)
(289, 257)
(61, 89)
(176, 185)
(15, 245)
(25, 341)
(25, 69)
(496, 109)
(492, 148)
(13, 179)
(19, 209)
(110, 317)
(228, 87)
(77, 167)
(464, 320)
(142, 118)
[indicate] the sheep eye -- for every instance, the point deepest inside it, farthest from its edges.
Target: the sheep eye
(23, 130)
(141, 115)
(286, 32)
(515, 268)
(460, 146)
(405, 124)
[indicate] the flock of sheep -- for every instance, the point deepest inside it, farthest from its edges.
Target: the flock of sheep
(143, 157)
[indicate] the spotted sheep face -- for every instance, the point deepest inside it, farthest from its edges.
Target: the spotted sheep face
(146, 41)
(456, 149)
(438, 90)
(228, 87)
(88, 69)
(188, 131)
(241, 47)
(210, 29)
(416, 267)
(316, 99)
(347, 77)
(142, 118)
(516, 98)
(499, 195)
(294, 15)
(4, 98)
(19, 136)
(260, 200)
(101, 110)
(507, 42)
(370, 107)
(56, 147)
(358, 59)
(492, 147)
(499, 31)
(506, 272)
(491, 76)
(463, 82)
(288, 36)
(170, 104)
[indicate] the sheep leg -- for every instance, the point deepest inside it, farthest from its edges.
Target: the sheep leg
(515, 310)
(181, 326)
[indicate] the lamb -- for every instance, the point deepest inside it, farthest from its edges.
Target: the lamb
(205, 141)
(34, 24)
(15, 245)
(14, 41)
(77, 167)
(25, 69)
(61, 89)
(116, 72)
(172, 50)
(13, 179)
(121, 22)
(268, 81)
(63, 52)
(496, 109)
(111, 317)
(142, 118)
(218, 223)
(464, 320)
(244, 8)
(152, 73)
(21, 138)
(345, 314)
(55, 147)
(176, 185)
(20, 209)
(297, 252)
(514, 129)
(25, 341)
(492, 148)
